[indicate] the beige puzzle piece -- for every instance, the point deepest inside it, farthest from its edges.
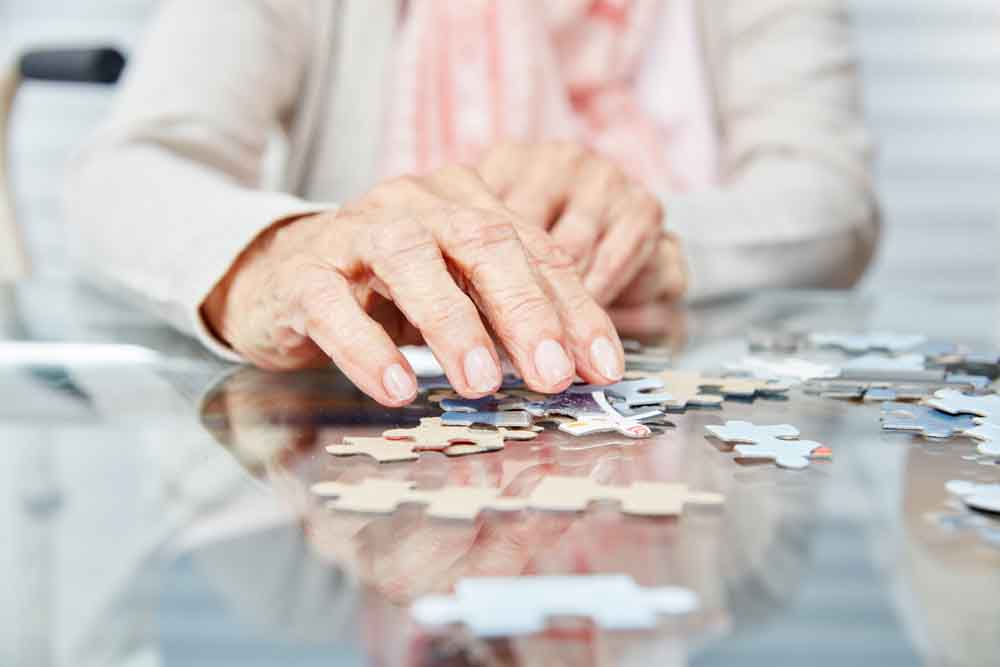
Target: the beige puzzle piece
(574, 494)
(386, 450)
(688, 388)
(432, 434)
(404, 444)
(382, 450)
(381, 496)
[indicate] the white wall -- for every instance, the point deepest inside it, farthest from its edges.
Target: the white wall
(931, 72)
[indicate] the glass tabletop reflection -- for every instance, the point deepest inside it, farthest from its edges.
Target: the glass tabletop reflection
(159, 510)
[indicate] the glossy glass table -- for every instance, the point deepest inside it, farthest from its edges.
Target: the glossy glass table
(158, 511)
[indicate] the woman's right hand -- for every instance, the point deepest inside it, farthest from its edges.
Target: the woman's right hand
(437, 259)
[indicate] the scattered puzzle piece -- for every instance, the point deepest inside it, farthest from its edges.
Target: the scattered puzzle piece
(433, 434)
(574, 494)
(507, 419)
(512, 606)
(609, 420)
(884, 341)
(494, 403)
(905, 368)
(385, 450)
(798, 370)
(988, 434)
(634, 393)
(404, 444)
(785, 342)
(692, 389)
(984, 497)
(382, 450)
(924, 420)
(441, 383)
(383, 496)
(871, 391)
(776, 443)
(957, 403)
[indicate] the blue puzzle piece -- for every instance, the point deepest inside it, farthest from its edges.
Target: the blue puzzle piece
(923, 419)
(632, 393)
(509, 419)
(484, 404)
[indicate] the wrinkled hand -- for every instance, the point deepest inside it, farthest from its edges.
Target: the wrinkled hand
(612, 226)
(438, 256)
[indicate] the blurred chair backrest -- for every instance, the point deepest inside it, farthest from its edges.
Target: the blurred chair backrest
(76, 65)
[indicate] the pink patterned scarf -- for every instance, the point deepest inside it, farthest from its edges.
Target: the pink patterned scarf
(469, 73)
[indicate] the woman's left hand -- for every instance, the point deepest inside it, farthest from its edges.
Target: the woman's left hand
(611, 225)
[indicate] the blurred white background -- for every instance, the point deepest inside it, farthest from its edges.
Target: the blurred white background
(932, 81)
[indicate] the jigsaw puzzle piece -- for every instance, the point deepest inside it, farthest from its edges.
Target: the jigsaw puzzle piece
(988, 435)
(574, 494)
(956, 403)
(797, 370)
(983, 497)
(494, 403)
(790, 454)
(386, 450)
(512, 606)
(382, 450)
(634, 393)
(776, 443)
(749, 433)
(441, 382)
(375, 496)
(886, 341)
(923, 419)
(379, 496)
(508, 419)
(432, 433)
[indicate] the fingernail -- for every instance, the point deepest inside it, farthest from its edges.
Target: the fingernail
(400, 384)
(481, 371)
(552, 362)
(605, 359)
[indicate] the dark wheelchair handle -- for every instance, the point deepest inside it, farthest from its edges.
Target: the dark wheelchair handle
(95, 65)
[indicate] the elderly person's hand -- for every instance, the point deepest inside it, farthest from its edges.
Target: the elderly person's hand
(611, 225)
(438, 256)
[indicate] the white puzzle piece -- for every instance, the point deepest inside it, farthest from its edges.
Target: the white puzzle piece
(878, 362)
(789, 370)
(513, 606)
(876, 341)
(956, 403)
(777, 443)
(984, 497)
(988, 435)
(641, 391)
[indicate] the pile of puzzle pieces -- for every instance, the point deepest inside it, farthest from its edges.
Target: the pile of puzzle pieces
(631, 407)
(933, 389)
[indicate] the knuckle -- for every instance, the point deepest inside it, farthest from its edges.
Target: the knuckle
(446, 314)
(397, 244)
(527, 305)
(481, 231)
(558, 259)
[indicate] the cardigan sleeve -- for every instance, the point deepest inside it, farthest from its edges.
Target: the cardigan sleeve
(795, 207)
(169, 192)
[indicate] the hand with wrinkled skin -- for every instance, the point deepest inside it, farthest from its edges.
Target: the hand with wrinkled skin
(438, 259)
(612, 226)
